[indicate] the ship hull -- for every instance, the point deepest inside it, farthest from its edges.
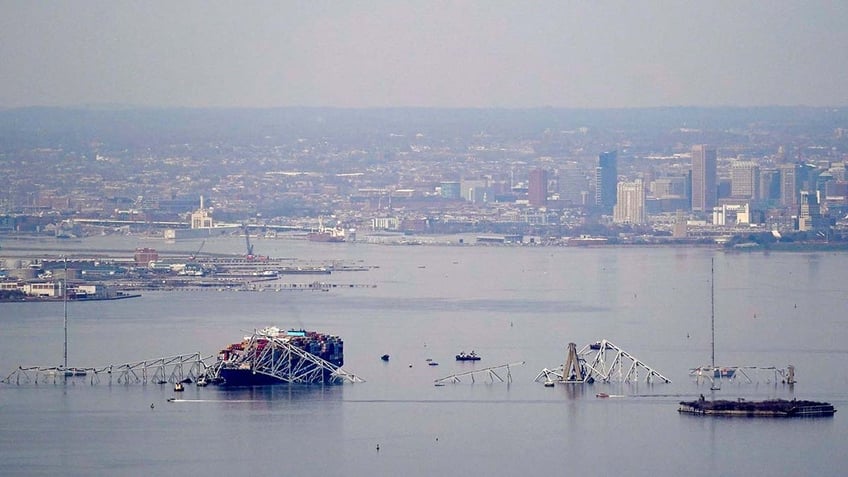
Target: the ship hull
(324, 237)
(246, 377)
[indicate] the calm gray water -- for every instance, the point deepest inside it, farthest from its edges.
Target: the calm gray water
(508, 304)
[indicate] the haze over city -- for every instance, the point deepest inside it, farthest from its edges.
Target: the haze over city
(423, 54)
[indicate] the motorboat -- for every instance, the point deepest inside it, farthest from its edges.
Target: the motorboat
(463, 356)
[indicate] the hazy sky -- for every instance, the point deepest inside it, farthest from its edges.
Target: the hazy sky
(424, 53)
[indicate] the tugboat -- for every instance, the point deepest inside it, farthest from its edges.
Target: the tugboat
(178, 387)
(472, 356)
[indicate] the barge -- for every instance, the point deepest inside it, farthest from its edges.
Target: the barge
(767, 408)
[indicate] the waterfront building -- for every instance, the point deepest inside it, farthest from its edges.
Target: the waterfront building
(630, 203)
(385, 223)
(537, 192)
(606, 180)
(704, 188)
(202, 217)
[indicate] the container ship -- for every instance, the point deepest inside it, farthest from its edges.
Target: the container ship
(274, 356)
(327, 235)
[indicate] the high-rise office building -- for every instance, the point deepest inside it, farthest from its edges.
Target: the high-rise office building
(606, 180)
(809, 216)
(573, 183)
(704, 188)
(790, 186)
(537, 190)
(630, 204)
(744, 180)
(769, 185)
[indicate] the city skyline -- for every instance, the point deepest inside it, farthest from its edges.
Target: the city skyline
(423, 54)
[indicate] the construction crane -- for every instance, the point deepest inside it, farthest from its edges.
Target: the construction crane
(195, 254)
(249, 255)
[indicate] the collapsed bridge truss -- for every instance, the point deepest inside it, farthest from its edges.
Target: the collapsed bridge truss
(600, 361)
(172, 369)
(279, 358)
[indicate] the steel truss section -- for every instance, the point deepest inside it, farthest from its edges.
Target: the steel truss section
(743, 374)
(278, 358)
(490, 372)
(172, 369)
(601, 361)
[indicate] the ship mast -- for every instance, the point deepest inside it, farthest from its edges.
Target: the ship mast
(65, 309)
(712, 310)
(715, 386)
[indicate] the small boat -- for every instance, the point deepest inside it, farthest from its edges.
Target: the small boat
(602, 395)
(549, 383)
(178, 387)
(432, 363)
(472, 356)
(385, 357)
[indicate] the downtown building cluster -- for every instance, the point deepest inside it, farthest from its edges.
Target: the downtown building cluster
(431, 173)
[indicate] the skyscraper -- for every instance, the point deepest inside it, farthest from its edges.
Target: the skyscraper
(606, 179)
(744, 180)
(573, 183)
(790, 186)
(537, 190)
(703, 178)
(809, 217)
(630, 205)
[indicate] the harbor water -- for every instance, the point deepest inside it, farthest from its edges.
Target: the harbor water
(509, 304)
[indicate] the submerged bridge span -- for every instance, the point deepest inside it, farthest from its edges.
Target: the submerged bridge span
(171, 369)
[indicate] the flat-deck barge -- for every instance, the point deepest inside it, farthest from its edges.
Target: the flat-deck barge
(767, 408)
